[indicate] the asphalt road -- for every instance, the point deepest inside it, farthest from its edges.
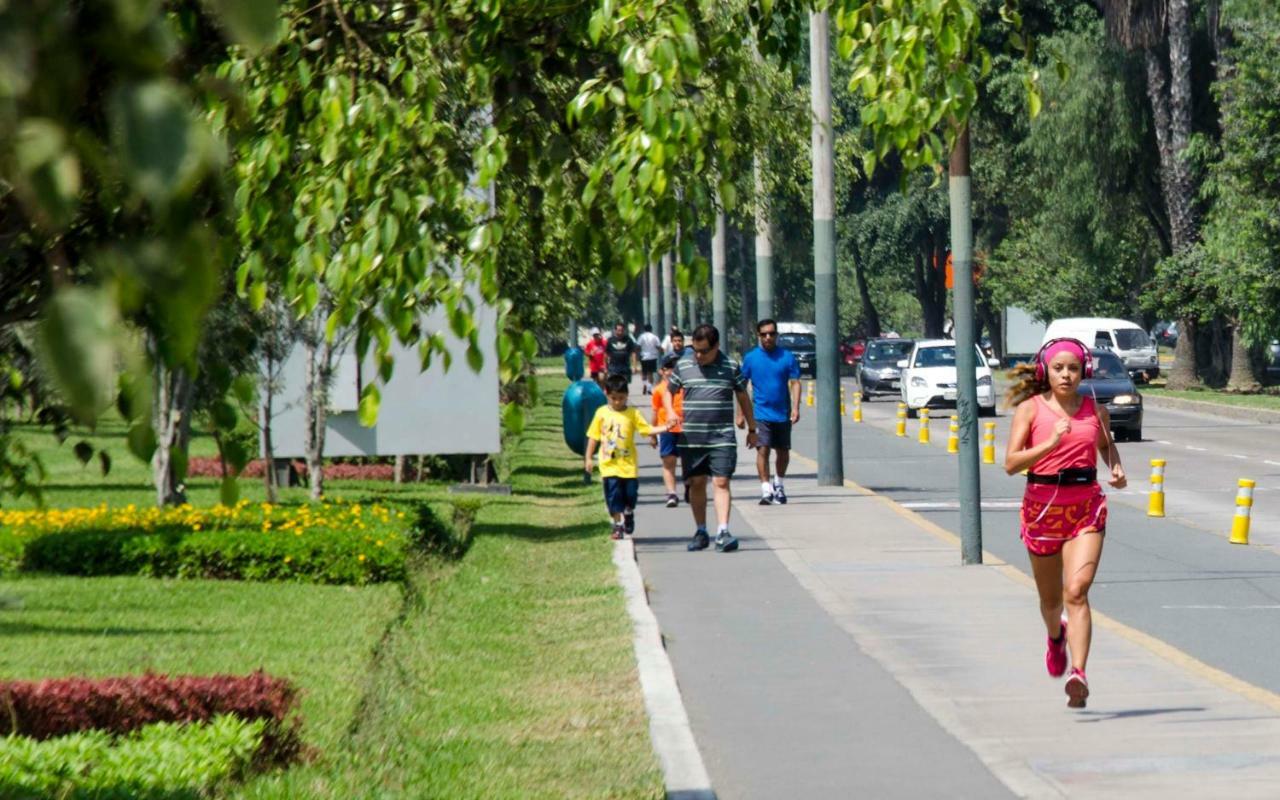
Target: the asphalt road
(1176, 578)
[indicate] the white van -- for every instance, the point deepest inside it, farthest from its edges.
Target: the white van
(1124, 338)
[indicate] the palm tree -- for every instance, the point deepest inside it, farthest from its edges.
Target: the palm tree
(1161, 29)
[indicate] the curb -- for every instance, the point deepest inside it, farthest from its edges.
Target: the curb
(684, 774)
(1215, 409)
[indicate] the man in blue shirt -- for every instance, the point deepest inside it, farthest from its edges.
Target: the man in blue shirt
(774, 375)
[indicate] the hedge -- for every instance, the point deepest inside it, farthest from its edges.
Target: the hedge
(161, 760)
(62, 706)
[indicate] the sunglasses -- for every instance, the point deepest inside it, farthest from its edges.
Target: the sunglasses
(701, 352)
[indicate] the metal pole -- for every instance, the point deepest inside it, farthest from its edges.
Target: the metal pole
(959, 184)
(719, 278)
(644, 299)
(830, 444)
(668, 294)
(764, 250)
(573, 333)
(693, 309)
(655, 303)
(681, 308)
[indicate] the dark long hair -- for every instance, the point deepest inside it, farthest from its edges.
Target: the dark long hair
(1025, 384)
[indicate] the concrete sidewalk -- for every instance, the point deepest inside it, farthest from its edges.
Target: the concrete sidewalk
(844, 652)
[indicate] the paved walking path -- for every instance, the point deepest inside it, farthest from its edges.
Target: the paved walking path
(843, 652)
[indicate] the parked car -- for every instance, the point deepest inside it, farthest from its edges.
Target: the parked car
(929, 378)
(1126, 339)
(878, 372)
(1113, 387)
(805, 347)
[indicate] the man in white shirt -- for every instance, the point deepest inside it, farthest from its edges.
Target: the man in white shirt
(650, 352)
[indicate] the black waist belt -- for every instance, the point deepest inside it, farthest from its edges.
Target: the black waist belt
(1068, 477)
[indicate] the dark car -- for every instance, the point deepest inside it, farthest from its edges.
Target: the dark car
(1112, 386)
(805, 347)
(878, 371)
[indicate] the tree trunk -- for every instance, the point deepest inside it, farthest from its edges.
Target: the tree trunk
(1243, 378)
(869, 314)
(1183, 373)
(401, 468)
(171, 410)
(268, 447)
(319, 374)
(931, 308)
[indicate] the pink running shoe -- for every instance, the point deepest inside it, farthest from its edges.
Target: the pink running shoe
(1055, 657)
(1077, 689)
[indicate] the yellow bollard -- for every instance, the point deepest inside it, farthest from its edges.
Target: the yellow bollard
(808, 398)
(953, 435)
(1244, 506)
(842, 400)
(1155, 500)
(924, 426)
(902, 419)
(989, 443)
(857, 406)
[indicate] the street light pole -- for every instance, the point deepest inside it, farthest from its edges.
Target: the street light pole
(830, 443)
(719, 278)
(764, 248)
(655, 305)
(959, 186)
(668, 294)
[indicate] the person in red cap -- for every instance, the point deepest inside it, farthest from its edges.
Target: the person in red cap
(1056, 437)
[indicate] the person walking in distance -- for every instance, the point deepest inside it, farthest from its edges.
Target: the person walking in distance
(668, 445)
(774, 376)
(1056, 436)
(650, 351)
(596, 353)
(709, 382)
(621, 350)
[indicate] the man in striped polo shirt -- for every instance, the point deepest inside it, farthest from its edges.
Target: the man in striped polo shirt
(710, 382)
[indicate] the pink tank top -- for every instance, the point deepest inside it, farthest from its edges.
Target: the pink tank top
(1077, 449)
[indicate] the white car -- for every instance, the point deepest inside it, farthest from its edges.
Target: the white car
(929, 378)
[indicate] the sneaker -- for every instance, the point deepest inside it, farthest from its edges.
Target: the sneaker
(766, 499)
(701, 541)
(618, 532)
(726, 542)
(1055, 657)
(672, 501)
(629, 522)
(779, 495)
(1077, 689)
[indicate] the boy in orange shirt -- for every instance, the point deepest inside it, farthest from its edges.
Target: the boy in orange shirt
(668, 447)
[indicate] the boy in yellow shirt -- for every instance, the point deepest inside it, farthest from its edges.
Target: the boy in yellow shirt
(613, 429)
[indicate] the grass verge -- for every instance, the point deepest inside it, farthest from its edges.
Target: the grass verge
(510, 672)
(1267, 400)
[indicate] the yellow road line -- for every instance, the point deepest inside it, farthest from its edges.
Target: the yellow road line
(1157, 647)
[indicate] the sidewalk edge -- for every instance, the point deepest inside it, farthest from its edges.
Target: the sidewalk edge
(683, 771)
(1242, 413)
(1150, 643)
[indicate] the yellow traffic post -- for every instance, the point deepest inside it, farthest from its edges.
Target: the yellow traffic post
(842, 400)
(808, 398)
(989, 443)
(902, 419)
(953, 435)
(857, 406)
(1155, 500)
(924, 426)
(1244, 506)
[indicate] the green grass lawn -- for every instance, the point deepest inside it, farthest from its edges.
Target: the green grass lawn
(1269, 400)
(319, 637)
(505, 673)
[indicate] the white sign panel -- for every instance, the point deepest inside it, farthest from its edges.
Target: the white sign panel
(422, 413)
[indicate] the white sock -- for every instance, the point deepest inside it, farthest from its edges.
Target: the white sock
(766, 487)
(777, 482)
(722, 529)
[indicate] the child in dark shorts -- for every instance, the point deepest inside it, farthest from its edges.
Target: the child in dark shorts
(613, 431)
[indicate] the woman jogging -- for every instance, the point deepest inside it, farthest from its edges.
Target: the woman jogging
(1055, 434)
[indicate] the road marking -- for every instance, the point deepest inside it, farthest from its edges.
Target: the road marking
(954, 505)
(1225, 608)
(1162, 441)
(1197, 449)
(1272, 463)
(1237, 455)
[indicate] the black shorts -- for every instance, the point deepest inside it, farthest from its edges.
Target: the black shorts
(718, 462)
(648, 365)
(621, 494)
(775, 435)
(623, 371)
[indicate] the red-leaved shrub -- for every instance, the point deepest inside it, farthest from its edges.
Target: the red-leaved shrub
(211, 467)
(59, 706)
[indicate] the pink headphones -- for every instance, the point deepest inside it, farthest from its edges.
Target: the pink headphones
(1042, 367)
